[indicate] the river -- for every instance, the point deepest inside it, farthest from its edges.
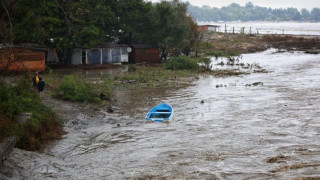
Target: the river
(254, 27)
(257, 126)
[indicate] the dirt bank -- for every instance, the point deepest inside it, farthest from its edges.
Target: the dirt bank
(242, 43)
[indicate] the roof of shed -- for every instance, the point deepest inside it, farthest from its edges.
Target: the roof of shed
(111, 45)
(29, 46)
(144, 46)
(209, 25)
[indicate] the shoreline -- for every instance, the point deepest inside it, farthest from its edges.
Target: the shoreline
(249, 43)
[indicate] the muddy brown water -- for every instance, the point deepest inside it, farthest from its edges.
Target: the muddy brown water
(269, 130)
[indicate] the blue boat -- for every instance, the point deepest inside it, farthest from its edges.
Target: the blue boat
(160, 112)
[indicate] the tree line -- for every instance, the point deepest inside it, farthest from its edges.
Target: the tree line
(249, 12)
(65, 24)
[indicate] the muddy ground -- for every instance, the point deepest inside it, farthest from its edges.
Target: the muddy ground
(242, 43)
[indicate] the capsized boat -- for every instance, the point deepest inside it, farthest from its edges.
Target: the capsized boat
(160, 112)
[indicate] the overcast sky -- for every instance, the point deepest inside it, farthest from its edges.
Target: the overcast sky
(309, 4)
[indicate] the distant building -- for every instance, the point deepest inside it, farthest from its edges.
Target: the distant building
(22, 57)
(144, 53)
(108, 53)
(208, 28)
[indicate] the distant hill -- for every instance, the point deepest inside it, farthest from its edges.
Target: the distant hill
(250, 12)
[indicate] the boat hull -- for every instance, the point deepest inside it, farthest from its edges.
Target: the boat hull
(159, 113)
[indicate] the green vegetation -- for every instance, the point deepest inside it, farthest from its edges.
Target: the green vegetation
(249, 12)
(216, 54)
(78, 89)
(68, 24)
(206, 63)
(181, 63)
(146, 76)
(42, 127)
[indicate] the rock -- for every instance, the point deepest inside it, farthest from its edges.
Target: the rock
(109, 109)
(104, 97)
(6, 147)
(257, 83)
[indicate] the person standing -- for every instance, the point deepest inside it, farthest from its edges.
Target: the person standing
(35, 80)
(40, 87)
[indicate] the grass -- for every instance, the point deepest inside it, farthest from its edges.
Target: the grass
(73, 88)
(143, 76)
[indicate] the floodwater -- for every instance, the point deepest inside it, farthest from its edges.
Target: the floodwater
(254, 27)
(257, 126)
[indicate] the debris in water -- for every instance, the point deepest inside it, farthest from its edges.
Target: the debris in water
(110, 110)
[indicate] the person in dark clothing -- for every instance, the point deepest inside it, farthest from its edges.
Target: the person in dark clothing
(40, 87)
(35, 81)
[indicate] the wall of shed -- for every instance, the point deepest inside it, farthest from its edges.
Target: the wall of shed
(212, 28)
(76, 57)
(101, 55)
(124, 55)
(145, 55)
(52, 56)
(202, 28)
(207, 28)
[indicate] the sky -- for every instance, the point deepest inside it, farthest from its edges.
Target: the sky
(299, 4)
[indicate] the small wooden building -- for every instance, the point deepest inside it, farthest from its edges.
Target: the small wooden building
(22, 57)
(208, 28)
(106, 54)
(144, 53)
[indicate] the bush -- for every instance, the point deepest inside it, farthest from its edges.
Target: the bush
(206, 62)
(42, 126)
(181, 63)
(17, 98)
(216, 54)
(75, 89)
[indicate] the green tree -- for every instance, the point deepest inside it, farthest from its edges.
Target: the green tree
(305, 14)
(6, 24)
(87, 23)
(174, 31)
(133, 20)
(249, 12)
(315, 14)
(294, 14)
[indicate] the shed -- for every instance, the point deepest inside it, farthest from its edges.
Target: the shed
(52, 57)
(22, 57)
(208, 28)
(108, 53)
(144, 53)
